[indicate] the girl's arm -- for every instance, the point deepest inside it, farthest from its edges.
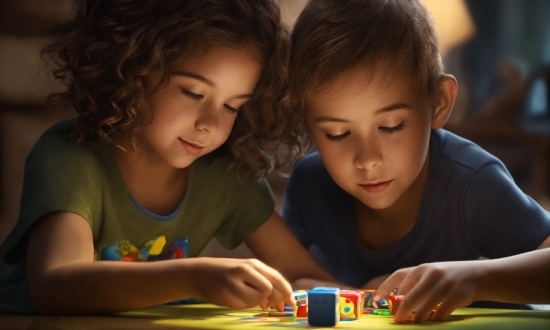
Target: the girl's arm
(275, 244)
(522, 278)
(63, 278)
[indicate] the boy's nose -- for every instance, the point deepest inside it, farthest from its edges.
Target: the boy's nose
(368, 155)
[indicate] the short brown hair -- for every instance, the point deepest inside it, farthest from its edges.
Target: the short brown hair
(104, 54)
(332, 36)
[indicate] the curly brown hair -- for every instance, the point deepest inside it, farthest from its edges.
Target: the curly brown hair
(330, 37)
(106, 51)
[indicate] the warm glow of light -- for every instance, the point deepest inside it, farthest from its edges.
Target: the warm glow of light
(453, 22)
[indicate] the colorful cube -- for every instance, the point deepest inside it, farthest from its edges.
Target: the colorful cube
(351, 304)
(394, 302)
(369, 294)
(323, 306)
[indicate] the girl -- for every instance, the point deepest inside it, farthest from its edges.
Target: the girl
(178, 103)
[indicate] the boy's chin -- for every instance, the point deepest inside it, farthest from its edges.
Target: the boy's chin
(376, 204)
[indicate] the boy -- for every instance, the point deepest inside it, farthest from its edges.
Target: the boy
(388, 187)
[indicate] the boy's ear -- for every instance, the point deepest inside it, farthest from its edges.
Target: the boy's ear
(446, 95)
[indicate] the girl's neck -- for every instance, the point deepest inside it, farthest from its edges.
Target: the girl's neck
(155, 185)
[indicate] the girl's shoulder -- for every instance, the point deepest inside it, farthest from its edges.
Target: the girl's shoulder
(55, 148)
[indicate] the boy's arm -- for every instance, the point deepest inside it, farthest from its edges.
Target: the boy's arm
(276, 245)
(522, 278)
(63, 278)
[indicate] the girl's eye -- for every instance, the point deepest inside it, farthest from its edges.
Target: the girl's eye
(337, 137)
(231, 109)
(391, 130)
(191, 95)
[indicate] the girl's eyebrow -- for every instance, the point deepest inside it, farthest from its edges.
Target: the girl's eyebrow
(323, 119)
(204, 80)
(194, 76)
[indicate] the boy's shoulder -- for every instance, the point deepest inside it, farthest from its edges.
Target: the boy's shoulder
(309, 172)
(310, 165)
(449, 147)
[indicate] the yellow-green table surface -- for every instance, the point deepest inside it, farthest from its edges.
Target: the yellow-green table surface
(207, 316)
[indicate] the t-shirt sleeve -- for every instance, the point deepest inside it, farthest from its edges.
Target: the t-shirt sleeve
(501, 219)
(250, 208)
(58, 177)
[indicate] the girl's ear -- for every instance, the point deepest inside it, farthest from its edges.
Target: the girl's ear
(446, 95)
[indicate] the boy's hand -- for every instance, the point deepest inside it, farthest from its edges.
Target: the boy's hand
(241, 283)
(453, 284)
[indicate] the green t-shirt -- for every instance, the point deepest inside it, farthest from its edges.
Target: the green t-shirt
(85, 179)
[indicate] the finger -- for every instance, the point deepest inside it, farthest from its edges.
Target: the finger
(281, 289)
(443, 311)
(264, 304)
(276, 299)
(424, 297)
(392, 282)
(238, 298)
(413, 300)
(250, 287)
(280, 306)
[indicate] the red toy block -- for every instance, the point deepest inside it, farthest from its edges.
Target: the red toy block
(351, 304)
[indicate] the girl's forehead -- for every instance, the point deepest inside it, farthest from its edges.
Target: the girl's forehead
(205, 48)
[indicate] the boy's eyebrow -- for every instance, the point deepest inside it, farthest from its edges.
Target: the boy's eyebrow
(205, 80)
(392, 107)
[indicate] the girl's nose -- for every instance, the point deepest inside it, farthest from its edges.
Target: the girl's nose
(207, 117)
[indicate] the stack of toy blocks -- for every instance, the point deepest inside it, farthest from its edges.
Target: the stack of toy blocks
(351, 304)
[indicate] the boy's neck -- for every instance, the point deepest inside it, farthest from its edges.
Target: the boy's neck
(377, 229)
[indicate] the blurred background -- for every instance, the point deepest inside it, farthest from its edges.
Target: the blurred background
(499, 50)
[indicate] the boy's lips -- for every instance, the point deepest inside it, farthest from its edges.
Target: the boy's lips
(375, 187)
(192, 147)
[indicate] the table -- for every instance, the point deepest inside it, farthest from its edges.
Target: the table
(207, 316)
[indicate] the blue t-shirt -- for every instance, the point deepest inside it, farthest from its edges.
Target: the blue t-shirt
(471, 208)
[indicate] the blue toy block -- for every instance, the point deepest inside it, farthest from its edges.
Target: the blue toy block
(323, 306)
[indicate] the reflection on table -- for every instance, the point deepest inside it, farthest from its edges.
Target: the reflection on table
(207, 316)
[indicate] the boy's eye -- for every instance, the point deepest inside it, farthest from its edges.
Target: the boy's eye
(337, 137)
(190, 94)
(394, 129)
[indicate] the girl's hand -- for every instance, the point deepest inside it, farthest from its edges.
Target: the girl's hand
(241, 283)
(453, 284)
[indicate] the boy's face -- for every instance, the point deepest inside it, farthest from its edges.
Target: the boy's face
(372, 131)
(194, 113)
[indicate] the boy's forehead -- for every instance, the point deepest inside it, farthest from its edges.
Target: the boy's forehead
(356, 79)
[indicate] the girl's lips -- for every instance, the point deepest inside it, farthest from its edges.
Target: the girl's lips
(374, 188)
(193, 149)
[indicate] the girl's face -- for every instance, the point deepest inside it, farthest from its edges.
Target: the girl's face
(194, 113)
(372, 132)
